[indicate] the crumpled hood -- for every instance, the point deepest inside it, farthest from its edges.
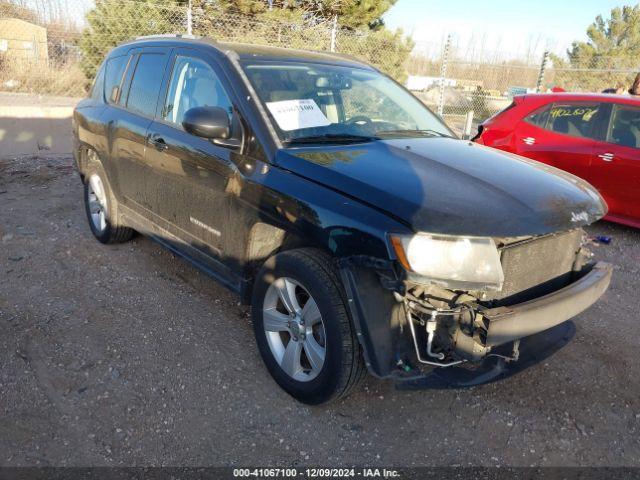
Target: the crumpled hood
(448, 186)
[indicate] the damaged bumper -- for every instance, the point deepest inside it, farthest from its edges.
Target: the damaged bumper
(507, 324)
(402, 332)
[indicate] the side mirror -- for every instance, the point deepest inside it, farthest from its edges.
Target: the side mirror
(207, 122)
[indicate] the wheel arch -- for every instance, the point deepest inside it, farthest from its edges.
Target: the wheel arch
(88, 157)
(266, 240)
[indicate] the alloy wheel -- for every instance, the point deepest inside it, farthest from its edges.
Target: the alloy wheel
(294, 329)
(97, 200)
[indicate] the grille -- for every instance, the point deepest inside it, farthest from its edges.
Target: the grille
(545, 263)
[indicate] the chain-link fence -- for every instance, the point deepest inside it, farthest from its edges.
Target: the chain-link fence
(55, 47)
(57, 51)
(467, 90)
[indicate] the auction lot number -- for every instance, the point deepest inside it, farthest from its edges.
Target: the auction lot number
(313, 473)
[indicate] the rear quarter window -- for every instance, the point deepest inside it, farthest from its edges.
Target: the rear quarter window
(539, 117)
(97, 89)
(114, 71)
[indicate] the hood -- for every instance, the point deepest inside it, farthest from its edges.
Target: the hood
(448, 186)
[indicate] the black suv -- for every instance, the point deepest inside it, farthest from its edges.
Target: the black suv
(360, 230)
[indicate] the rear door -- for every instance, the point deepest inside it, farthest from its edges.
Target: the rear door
(562, 135)
(140, 97)
(191, 173)
(616, 165)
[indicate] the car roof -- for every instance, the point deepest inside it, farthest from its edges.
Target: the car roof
(576, 97)
(245, 51)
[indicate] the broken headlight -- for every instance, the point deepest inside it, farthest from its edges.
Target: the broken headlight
(459, 263)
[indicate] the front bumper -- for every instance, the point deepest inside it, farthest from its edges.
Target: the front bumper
(380, 319)
(506, 324)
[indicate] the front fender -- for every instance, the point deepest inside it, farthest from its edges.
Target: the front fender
(378, 318)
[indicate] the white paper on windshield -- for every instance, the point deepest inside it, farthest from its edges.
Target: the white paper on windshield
(297, 114)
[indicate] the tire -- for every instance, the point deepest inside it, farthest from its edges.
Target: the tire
(100, 207)
(313, 276)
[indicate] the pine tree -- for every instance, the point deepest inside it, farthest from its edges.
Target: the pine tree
(613, 43)
(112, 22)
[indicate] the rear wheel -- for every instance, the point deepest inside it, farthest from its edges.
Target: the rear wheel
(302, 328)
(100, 208)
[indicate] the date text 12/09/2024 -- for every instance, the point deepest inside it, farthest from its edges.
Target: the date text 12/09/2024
(315, 473)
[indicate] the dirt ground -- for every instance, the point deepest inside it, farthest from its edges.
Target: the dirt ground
(127, 355)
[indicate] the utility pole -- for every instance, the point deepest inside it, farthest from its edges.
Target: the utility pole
(443, 74)
(543, 69)
(334, 33)
(189, 18)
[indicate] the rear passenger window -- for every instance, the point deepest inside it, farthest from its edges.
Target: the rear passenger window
(145, 86)
(113, 77)
(574, 120)
(625, 126)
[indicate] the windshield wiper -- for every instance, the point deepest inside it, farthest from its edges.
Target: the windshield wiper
(330, 138)
(407, 133)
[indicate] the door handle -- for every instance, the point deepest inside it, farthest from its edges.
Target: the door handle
(607, 157)
(159, 143)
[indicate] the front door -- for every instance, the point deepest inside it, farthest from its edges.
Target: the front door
(616, 165)
(192, 173)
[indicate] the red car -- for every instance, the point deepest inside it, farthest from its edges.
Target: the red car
(593, 136)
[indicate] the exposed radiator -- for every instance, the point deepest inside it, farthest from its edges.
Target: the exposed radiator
(538, 261)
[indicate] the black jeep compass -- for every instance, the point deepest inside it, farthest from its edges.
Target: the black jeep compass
(360, 230)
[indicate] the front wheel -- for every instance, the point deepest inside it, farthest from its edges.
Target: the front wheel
(302, 327)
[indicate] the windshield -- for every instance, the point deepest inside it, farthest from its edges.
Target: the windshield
(317, 103)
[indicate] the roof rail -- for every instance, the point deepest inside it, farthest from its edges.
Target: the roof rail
(168, 35)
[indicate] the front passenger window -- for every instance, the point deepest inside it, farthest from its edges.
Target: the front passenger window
(193, 84)
(625, 126)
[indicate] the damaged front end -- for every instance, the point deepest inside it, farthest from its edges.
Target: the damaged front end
(408, 325)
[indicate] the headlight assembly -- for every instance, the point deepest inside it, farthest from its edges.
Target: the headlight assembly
(464, 263)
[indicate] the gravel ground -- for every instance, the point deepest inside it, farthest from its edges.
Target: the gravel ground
(127, 355)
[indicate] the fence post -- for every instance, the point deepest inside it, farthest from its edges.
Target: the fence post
(468, 125)
(189, 18)
(334, 33)
(543, 68)
(443, 74)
